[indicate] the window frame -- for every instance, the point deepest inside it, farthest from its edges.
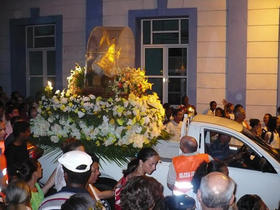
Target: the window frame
(44, 51)
(165, 55)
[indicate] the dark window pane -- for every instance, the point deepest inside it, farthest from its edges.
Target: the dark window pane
(146, 32)
(177, 61)
(165, 25)
(184, 31)
(36, 84)
(157, 86)
(153, 61)
(35, 63)
(44, 42)
(30, 37)
(176, 90)
(44, 30)
(51, 64)
(165, 38)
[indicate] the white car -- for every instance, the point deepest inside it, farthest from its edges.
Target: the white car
(253, 164)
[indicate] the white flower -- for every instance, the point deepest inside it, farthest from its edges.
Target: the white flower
(81, 114)
(54, 139)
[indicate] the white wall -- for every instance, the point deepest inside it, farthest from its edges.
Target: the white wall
(262, 57)
(115, 12)
(74, 43)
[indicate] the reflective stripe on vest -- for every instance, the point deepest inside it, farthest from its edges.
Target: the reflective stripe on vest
(185, 167)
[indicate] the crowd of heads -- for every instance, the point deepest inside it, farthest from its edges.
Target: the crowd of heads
(211, 181)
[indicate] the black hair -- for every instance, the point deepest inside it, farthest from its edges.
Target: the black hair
(20, 127)
(254, 122)
(94, 158)
(212, 102)
(175, 112)
(144, 154)
(250, 202)
(204, 169)
(181, 202)
(237, 108)
(25, 170)
(221, 110)
(70, 144)
(278, 110)
(16, 119)
(272, 123)
(77, 178)
(79, 201)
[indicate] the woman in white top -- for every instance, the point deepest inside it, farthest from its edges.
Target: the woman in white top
(272, 136)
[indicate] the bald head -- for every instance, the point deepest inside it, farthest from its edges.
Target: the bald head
(216, 190)
(188, 144)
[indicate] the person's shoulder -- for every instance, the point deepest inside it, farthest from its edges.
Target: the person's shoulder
(55, 201)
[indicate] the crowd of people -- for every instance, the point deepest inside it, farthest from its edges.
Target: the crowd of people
(269, 131)
(197, 180)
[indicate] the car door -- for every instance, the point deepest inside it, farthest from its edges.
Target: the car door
(249, 165)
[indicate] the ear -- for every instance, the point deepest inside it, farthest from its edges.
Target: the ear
(140, 163)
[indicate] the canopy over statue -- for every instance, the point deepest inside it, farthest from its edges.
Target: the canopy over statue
(108, 50)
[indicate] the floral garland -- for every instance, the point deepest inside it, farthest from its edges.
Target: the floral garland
(112, 127)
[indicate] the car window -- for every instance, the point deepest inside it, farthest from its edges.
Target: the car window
(234, 152)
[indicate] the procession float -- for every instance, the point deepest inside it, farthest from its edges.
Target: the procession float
(108, 104)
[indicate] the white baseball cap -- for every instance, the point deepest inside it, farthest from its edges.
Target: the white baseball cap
(76, 161)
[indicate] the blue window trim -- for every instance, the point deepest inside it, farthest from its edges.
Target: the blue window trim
(94, 15)
(134, 17)
(236, 65)
(18, 52)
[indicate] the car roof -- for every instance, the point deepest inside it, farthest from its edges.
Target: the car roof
(221, 121)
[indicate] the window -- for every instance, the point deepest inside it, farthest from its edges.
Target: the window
(164, 55)
(234, 152)
(40, 57)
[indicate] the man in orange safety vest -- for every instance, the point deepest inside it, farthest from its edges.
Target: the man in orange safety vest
(182, 168)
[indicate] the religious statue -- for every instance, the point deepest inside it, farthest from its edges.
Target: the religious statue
(108, 50)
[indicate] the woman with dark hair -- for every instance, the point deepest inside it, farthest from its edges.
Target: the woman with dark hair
(251, 202)
(229, 107)
(256, 127)
(141, 192)
(272, 136)
(266, 118)
(219, 112)
(30, 171)
(144, 163)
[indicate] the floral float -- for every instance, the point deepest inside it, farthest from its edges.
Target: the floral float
(114, 128)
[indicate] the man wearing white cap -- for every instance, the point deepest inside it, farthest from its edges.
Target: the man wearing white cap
(77, 170)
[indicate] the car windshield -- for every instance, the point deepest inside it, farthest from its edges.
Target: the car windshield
(258, 140)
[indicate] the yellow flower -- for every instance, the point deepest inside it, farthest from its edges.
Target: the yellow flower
(112, 121)
(97, 143)
(62, 107)
(120, 109)
(120, 121)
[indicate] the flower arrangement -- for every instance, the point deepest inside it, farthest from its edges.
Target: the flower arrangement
(76, 80)
(113, 128)
(131, 80)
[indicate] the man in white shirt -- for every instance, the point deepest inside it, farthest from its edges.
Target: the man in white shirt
(175, 125)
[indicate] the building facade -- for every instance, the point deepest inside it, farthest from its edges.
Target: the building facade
(206, 49)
